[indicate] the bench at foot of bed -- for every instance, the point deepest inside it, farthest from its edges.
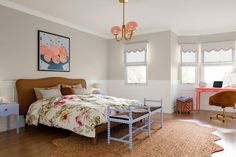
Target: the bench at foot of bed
(132, 115)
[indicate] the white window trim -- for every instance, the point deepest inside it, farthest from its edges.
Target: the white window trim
(220, 63)
(136, 64)
(195, 64)
(196, 72)
(199, 73)
(126, 76)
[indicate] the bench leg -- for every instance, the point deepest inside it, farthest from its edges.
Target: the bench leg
(108, 132)
(149, 124)
(161, 118)
(130, 136)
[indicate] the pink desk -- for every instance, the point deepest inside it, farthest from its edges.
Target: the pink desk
(200, 90)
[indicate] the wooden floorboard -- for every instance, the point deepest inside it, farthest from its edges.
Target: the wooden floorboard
(31, 142)
(37, 141)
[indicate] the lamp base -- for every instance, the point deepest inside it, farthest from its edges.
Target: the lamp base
(123, 1)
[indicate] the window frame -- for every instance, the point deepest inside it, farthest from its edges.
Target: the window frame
(136, 64)
(196, 72)
(193, 64)
(126, 75)
(219, 63)
(209, 65)
(200, 64)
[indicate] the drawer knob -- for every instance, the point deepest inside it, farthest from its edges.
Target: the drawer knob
(5, 109)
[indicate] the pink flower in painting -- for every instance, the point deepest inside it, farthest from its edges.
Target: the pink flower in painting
(43, 49)
(56, 59)
(48, 56)
(63, 59)
(49, 53)
(55, 49)
(63, 51)
(78, 121)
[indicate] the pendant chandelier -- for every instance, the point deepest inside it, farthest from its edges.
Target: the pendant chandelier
(125, 32)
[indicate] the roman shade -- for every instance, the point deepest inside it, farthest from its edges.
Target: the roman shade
(135, 47)
(217, 46)
(189, 48)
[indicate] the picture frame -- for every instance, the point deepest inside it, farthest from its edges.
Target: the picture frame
(53, 52)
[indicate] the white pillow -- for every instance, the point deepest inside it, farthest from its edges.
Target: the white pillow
(49, 93)
(82, 91)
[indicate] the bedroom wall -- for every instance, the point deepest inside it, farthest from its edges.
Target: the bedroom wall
(159, 83)
(18, 51)
(175, 58)
(189, 90)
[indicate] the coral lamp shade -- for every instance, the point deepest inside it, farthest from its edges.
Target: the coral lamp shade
(132, 25)
(115, 30)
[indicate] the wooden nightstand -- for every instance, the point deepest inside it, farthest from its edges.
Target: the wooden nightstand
(8, 109)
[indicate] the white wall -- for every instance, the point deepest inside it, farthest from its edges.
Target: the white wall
(18, 52)
(18, 48)
(158, 56)
(174, 67)
(159, 72)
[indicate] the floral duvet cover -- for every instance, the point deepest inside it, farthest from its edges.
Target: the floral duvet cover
(78, 113)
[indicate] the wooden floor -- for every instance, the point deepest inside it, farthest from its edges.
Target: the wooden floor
(37, 141)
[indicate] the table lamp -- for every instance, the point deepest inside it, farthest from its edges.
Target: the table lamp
(4, 100)
(1, 100)
(96, 88)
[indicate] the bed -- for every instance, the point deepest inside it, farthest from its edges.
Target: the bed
(96, 104)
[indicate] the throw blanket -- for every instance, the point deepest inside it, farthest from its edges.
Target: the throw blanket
(78, 113)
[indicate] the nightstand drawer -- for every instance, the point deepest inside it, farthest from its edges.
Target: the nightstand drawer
(9, 109)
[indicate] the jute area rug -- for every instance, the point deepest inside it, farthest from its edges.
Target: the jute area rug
(175, 139)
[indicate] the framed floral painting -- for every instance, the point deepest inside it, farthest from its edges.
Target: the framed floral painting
(53, 52)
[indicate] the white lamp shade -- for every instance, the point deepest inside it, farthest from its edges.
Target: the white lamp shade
(4, 100)
(96, 85)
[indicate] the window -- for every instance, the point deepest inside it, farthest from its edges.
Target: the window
(221, 56)
(215, 64)
(136, 63)
(217, 60)
(188, 63)
(216, 72)
(136, 74)
(188, 74)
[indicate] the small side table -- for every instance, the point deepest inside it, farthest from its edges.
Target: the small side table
(7, 109)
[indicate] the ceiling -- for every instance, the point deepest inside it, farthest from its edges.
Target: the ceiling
(184, 17)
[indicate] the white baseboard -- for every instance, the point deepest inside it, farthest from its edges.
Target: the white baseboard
(12, 124)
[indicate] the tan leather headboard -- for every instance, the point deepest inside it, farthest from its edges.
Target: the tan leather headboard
(25, 91)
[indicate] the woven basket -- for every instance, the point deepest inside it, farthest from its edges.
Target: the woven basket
(184, 107)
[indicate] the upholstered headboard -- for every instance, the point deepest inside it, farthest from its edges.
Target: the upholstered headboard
(25, 91)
